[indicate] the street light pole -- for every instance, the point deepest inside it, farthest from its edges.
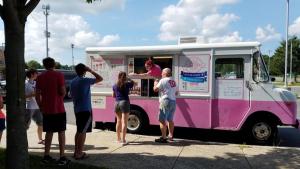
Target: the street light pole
(72, 47)
(47, 33)
(286, 43)
(291, 61)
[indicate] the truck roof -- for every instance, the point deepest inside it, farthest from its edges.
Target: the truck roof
(170, 48)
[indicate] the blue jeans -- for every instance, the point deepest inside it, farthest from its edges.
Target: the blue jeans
(166, 110)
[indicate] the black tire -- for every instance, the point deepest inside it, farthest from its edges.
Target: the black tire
(136, 121)
(262, 132)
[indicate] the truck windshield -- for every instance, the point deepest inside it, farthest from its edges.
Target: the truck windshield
(260, 73)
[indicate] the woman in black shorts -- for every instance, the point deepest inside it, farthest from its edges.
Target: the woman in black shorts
(122, 105)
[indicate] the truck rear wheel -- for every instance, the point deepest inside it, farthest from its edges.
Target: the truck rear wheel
(261, 132)
(136, 121)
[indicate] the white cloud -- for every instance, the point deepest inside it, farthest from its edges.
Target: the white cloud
(108, 39)
(267, 33)
(80, 6)
(294, 29)
(232, 37)
(198, 18)
(65, 29)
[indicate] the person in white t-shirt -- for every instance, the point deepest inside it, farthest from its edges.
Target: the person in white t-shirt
(32, 108)
(167, 89)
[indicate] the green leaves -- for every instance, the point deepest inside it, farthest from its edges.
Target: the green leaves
(91, 1)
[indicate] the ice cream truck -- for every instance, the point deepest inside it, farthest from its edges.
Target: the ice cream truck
(223, 86)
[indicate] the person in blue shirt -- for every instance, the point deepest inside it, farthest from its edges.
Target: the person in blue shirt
(122, 105)
(81, 95)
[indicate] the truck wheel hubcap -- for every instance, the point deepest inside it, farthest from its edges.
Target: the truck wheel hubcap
(133, 122)
(261, 131)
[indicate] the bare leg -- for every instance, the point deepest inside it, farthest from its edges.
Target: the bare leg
(48, 141)
(40, 132)
(171, 129)
(80, 144)
(76, 144)
(62, 142)
(124, 125)
(163, 129)
(118, 126)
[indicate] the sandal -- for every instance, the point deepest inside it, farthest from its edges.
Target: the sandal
(41, 142)
(161, 140)
(83, 156)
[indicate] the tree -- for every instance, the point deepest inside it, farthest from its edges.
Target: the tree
(34, 65)
(277, 66)
(57, 65)
(14, 14)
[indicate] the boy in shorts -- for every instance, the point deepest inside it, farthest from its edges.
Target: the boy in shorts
(49, 95)
(81, 95)
(32, 108)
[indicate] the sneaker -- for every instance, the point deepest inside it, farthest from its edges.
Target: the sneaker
(161, 140)
(47, 160)
(63, 161)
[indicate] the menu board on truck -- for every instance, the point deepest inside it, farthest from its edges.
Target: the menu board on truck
(194, 73)
(108, 67)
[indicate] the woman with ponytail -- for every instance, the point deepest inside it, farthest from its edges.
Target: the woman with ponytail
(122, 105)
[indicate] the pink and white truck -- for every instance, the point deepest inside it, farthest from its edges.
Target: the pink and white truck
(223, 86)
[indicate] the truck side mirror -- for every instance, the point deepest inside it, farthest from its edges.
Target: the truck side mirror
(273, 79)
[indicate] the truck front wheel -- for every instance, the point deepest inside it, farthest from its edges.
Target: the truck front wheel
(136, 121)
(261, 132)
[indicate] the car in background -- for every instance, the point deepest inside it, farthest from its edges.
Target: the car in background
(68, 74)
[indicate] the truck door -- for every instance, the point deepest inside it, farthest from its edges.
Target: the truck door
(231, 96)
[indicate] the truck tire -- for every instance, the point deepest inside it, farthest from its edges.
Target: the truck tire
(136, 121)
(262, 132)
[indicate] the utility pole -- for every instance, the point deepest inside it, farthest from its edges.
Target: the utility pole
(47, 33)
(286, 43)
(291, 61)
(72, 47)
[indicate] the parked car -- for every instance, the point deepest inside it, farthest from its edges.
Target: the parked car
(68, 74)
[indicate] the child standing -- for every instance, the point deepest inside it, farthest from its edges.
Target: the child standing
(2, 118)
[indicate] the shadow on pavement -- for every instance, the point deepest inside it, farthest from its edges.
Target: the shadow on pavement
(273, 158)
(287, 137)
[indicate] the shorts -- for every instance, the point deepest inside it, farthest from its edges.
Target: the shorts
(2, 124)
(84, 121)
(122, 106)
(54, 122)
(166, 110)
(34, 114)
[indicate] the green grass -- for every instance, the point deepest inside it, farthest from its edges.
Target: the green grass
(35, 163)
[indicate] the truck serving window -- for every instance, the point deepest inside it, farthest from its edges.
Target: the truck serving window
(259, 72)
(136, 64)
(229, 68)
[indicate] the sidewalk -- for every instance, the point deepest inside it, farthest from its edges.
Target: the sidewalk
(143, 152)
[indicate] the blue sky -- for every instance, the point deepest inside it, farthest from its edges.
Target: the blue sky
(155, 22)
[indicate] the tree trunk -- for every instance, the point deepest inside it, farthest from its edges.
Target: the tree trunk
(17, 145)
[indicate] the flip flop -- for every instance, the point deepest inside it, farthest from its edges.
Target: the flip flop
(83, 156)
(41, 142)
